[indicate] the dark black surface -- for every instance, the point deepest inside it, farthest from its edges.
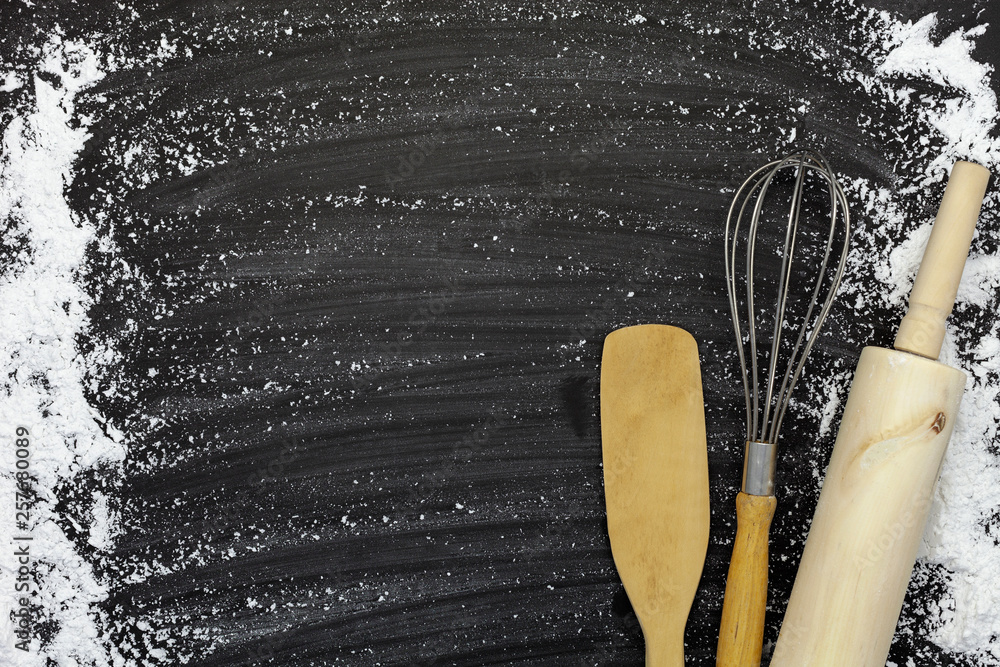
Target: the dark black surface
(347, 348)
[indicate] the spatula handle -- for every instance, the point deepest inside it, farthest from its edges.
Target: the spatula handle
(665, 651)
(741, 636)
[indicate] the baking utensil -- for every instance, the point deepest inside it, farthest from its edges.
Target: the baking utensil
(771, 368)
(863, 541)
(656, 478)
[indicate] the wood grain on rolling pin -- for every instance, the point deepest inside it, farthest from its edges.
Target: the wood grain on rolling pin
(863, 541)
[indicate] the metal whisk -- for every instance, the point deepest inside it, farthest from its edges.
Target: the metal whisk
(768, 383)
(765, 407)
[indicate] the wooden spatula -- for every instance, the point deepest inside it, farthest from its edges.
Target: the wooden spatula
(656, 478)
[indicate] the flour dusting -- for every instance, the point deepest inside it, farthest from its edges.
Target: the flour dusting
(966, 121)
(44, 310)
(964, 519)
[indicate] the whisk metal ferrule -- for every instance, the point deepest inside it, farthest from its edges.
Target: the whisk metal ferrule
(760, 461)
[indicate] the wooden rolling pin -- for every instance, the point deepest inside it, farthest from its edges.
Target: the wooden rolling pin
(863, 542)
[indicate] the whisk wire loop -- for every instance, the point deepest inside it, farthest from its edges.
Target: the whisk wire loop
(765, 407)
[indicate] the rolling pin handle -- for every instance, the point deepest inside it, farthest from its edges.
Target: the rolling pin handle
(936, 285)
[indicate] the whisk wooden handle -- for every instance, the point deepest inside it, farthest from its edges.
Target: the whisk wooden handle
(741, 635)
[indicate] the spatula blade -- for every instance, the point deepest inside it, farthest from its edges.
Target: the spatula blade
(656, 477)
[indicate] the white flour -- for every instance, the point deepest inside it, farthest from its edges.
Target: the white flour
(964, 525)
(43, 310)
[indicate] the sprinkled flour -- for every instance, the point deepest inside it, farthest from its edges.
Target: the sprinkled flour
(964, 522)
(44, 309)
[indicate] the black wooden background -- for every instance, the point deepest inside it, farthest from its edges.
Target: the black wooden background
(373, 435)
